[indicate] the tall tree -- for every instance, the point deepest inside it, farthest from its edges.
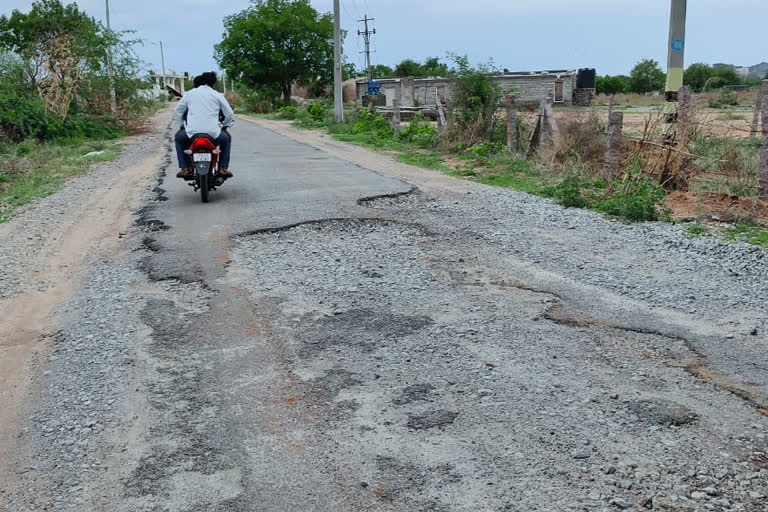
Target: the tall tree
(60, 47)
(647, 76)
(277, 43)
(697, 75)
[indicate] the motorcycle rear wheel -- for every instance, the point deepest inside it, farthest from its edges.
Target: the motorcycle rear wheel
(204, 188)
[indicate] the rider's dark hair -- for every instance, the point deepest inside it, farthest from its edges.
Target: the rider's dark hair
(198, 81)
(209, 78)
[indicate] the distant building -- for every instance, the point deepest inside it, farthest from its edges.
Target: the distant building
(566, 87)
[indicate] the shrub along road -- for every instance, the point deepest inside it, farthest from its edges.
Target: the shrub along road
(337, 331)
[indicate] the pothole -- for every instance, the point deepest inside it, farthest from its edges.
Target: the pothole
(661, 413)
(410, 197)
(431, 419)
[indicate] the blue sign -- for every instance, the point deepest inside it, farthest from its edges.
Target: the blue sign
(678, 45)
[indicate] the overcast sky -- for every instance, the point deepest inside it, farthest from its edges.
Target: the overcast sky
(609, 35)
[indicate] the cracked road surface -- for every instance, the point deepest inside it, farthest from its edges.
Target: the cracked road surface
(339, 332)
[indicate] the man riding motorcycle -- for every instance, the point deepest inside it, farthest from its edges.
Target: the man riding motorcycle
(198, 113)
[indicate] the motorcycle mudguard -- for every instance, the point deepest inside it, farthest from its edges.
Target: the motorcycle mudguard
(202, 168)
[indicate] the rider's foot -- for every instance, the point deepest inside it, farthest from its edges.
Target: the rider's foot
(186, 172)
(225, 172)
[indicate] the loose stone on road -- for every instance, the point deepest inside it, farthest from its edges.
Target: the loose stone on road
(341, 332)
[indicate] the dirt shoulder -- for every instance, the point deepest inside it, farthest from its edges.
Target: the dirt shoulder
(46, 252)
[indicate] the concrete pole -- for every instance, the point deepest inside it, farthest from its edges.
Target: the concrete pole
(613, 146)
(338, 99)
(756, 116)
(611, 106)
(511, 124)
(396, 114)
(112, 95)
(162, 62)
(762, 186)
(675, 65)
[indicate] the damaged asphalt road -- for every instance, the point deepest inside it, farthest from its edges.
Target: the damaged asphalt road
(330, 338)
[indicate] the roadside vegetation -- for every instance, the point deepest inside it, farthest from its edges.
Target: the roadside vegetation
(716, 182)
(55, 109)
(721, 198)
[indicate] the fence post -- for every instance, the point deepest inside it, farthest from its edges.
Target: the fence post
(762, 187)
(396, 114)
(611, 106)
(613, 146)
(511, 124)
(756, 115)
(440, 112)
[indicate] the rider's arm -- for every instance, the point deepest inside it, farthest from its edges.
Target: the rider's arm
(229, 114)
(178, 114)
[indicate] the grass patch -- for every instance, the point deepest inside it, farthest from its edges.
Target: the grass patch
(426, 160)
(748, 231)
(696, 230)
(33, 170)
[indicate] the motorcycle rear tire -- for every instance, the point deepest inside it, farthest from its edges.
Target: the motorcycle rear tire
(204, 188)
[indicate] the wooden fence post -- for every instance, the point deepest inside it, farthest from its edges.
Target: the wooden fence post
(756, 115)
(613, 146)
(762, 187)
(396, 114)
(511, 124)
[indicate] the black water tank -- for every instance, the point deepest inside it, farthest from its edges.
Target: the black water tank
(586, 79)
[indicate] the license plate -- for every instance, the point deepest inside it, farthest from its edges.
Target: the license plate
(201, 157)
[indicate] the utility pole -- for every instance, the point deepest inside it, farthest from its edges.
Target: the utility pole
(338, 98)
(112, 96)
(367, 36)
(675, 60)
(670, 176)
(162, 62)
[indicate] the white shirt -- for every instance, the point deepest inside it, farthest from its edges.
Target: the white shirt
(202, 106)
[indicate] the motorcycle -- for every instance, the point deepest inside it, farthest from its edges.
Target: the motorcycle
(205, 159)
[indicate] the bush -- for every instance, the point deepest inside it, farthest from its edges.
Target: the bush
(372, 122)
(317, 112)
(419, 132)
(288, 112)
(726, 99)
(25, 117)
(569, 191)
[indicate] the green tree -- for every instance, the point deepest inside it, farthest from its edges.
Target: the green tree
(278, 42)
(618, 84)
(382, 71)
(727, 75)
(408, 67)
(64, 54)
(697, 75)
(647, 76)
(433, 67)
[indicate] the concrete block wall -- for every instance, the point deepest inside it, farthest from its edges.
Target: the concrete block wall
(529, 89)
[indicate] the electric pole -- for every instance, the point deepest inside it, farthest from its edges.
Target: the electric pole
(367, 36)
(162, 62)
(676, 59)
(338, 98)
(112, 97)
(673, 175)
